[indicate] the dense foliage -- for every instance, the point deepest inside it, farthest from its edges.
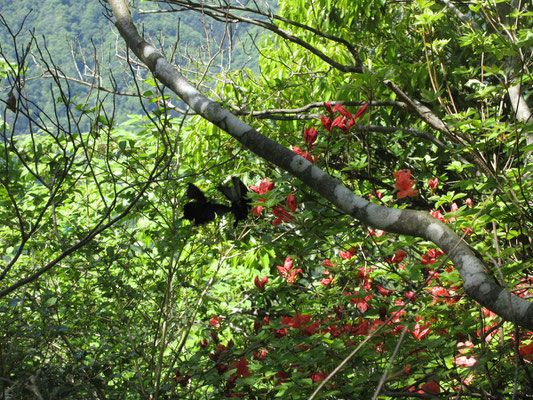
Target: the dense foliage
(142, 304)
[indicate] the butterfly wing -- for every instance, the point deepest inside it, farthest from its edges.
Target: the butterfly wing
(220, 209)
(195, 194)
(235, 193)
(240, 204)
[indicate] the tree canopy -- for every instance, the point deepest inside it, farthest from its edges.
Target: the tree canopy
(382, 249)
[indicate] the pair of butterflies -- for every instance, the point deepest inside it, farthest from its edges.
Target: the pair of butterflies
(201, 211)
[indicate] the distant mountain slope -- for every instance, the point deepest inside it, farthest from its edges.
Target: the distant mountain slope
(71, 31)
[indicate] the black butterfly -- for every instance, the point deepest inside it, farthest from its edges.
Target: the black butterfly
(200, 210)
(240, 203)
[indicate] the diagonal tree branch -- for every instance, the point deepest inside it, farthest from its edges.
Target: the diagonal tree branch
(476, 283)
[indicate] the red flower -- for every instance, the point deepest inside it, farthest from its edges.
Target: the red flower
(376, 233)
(282, 377)
(433, 183)
(431, 387)
(326, 123)
(292, 203)
(343, 111)
(346, 255)
(183, 381)
(464, 361)
(317, 377)
(469, 202)
(398, 257)
(264, 186)
(259, 355)
(310, 136)
(328, 263)
(304, 154)
(431, 257)
(281, 214)
(297, 321)
(327, 106)
(328, 279)
(203, 343)
(420, 331)
(383, 291)
(260, 284)
(404, 184)
(340, 122)
(242, 368)
(527, 350)
(215, 321)
(287, 272)
(437, 214)
(361, 111)
(257, 210)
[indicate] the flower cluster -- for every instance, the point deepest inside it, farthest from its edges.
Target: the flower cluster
(345, 121)
(287, 271)
(404, 184)
(281, 214)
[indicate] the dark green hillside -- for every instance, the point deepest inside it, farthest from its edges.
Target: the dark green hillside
(72, 32)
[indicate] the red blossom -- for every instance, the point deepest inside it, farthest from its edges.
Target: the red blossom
(383, 291)
(259, 355)
(281, 214)
(292, 203)
(280, 332)
(431, 387)
(282, 377)
(527, 350)
(464, 361)
(398, 257)
(343, 111)
(440, 293)
(327, 106)
(304, 154)
(327, 279)
(340, 122)
(469, 202)
(260, 284)
(215, 321)
(404, 184)
(242, 368)
(437, 214)
(203, 343)
(328, 263)
(346, 255)
(287, 271)
(326, 123)
(410, 296)
(319, 376)
(361, 303)
(297, 321)
(433, 183)
(183, 381)
(376, 233)
(420, 331)
(264, 186)
(361, 111)
(257, 210)
(431, 256)
(310, 136)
